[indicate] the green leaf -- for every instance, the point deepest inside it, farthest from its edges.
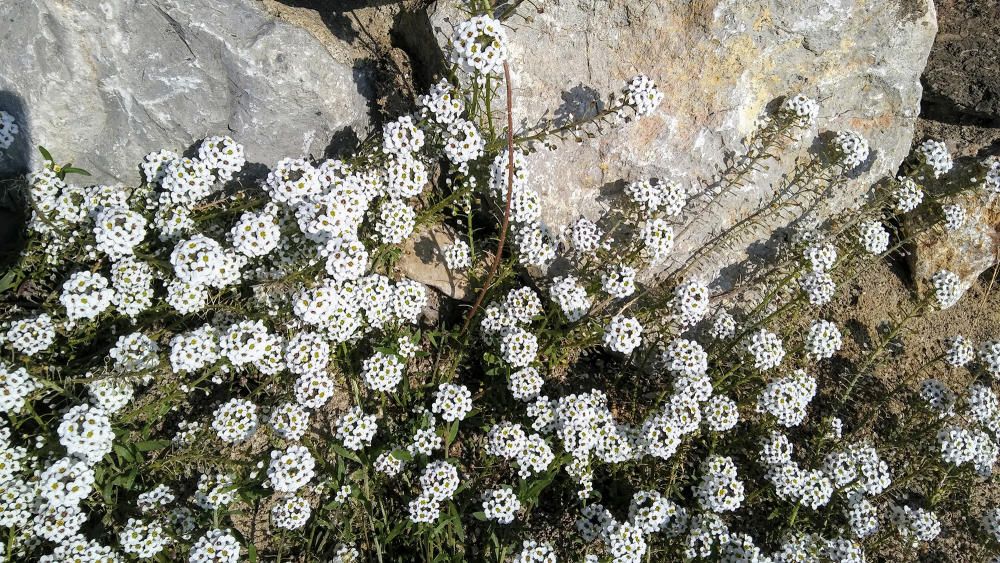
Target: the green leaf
(395, 531)
(124, 453)
(46, 154)
(74, 170)
(342, 452)
(150, 445)
(11, 279)
(402, 455)
(251, 553)
(445, 522)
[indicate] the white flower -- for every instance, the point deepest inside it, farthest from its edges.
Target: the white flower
(33, 335)
(256, 234)
(623, 334)
(526, 384)
(143, 539)
(406, 177)
(86, 295)
(873, 237)
(823, 340)
(535, 246)
(800, 109)
(501, 505)
(356, 429)
(938, 396)
(766, 348)
(787, 398)
(86, 431)
(947, 288)
(934, 155)
(118, 231)
(458, 256)
(291, 513)
(960, 351)
(719, 490)
(954, 216)
(292, 181)
(313, 390)
(690, 302)
(658, 238)
(396, 221)
(110, 395)
(194, 350)
(907, 195)
(290, 420)
(685, 358)
(990, 356)
(585, 236)
(571, 297)
(222, 155)
(479, 45)
(202, 261)
(185, 181)
(534, 552)
(452, 402)
(464, 143)
(619, 282)
(655, 196)
(382, 372)
(850, 149)
(8, 130)
(217, 546)
(442, 103)
(720, 413)
(154, 165)
(642, 95)
(291, 469)
(439, 480)
(915, 524)
(821, 256)
(819, 287)
(235, 420)
(723, 326)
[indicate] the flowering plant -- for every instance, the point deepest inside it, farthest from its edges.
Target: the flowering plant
(209, 368)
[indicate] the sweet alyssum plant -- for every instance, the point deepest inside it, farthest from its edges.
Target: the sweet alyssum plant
(209, 368)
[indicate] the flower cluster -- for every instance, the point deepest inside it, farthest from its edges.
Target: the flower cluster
(201, 353)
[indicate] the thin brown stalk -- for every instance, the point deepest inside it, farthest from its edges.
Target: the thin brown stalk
(506, 212)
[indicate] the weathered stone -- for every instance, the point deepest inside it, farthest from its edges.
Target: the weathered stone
(423, 261)
(968, 251)
(102, 84)
(720, 65)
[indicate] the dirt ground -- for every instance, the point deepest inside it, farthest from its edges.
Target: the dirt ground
(870, 305)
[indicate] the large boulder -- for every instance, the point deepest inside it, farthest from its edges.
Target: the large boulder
(103, 83)
(721, 64)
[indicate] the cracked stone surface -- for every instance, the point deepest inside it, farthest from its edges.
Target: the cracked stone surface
(102, 84)
(720, 63)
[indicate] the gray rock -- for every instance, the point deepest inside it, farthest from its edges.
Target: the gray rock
(967, 251)
(423, 260)
(102, 84)
(720, 65)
